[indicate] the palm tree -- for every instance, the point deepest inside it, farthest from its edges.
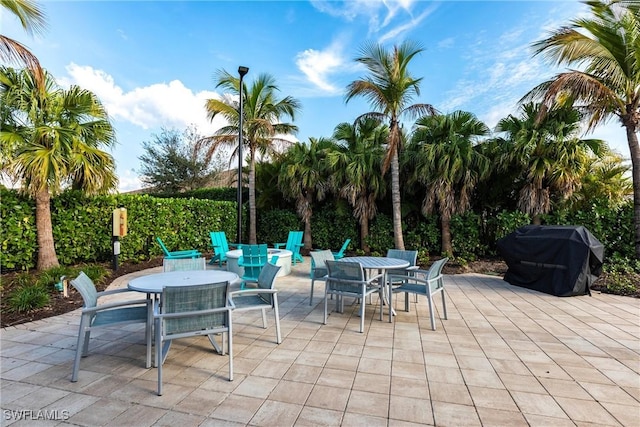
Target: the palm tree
(605, 180)
(548, 153)
(356, 169)
(443, 156)
(607, 46)
(32, 19)
(52, 140)
(261, 122)
(303, 178)
(390, 88)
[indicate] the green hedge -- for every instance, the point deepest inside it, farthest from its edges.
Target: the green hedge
(82, 227)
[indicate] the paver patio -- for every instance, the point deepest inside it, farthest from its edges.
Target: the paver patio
(506, 356)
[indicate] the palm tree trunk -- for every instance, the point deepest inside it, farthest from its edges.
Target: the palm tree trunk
(252, 198)
(364, 233)
(47, 257)
(634, 148)
(445, 224)
(395, 199)
(307, 240)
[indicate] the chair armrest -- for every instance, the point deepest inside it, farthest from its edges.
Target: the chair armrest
(114, 291)
(235, 245)
(192, 313)
(190, 251)
(412, 268)
(252, 292)
(110, 305)
(278, 245)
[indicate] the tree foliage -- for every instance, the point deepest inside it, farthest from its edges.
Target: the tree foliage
(172, 164)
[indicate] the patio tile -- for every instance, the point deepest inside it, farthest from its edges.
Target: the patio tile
(586, 410)
(175, 418)
(372, 382)
(238, 409)
(276, 413)
(564, 388)
(271, 369)
(375, 366)
(336, 378)
(256, 387)
(149, 414)
(527, 383)
(410, 409)
(451, 393)
(500, 418)
(451, 414)
(627, 415)
(291, 392)
(347, 363)
(363, 402)
(484, 397)
(608, 393)
(201, 401)
(538, 404)
(302, 373)
(352, 419)
(487, 378)
(328, 398)
(409, 387)
(311, 417)
(99, 412)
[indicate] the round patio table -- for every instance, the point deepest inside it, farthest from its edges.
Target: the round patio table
(153, 283)
(382, 264)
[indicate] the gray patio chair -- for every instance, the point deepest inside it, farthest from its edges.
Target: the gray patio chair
(183, 264)
(261, 297)
(318, 267)
(410, 256)
(105, 315)
(348, 279)
(423, 282)
(188, 311)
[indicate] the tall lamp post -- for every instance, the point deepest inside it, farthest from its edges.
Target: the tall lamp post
(242, 71)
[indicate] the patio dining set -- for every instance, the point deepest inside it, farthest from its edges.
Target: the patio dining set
(188, 299)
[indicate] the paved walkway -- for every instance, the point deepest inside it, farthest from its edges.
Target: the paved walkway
(506, 356)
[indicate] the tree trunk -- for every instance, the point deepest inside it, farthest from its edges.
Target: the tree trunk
(445, 224)
(307, 240)
(47, 257)
(395, 198)
(536, 220)
(634, 148)
(252, 199)
(364, 233)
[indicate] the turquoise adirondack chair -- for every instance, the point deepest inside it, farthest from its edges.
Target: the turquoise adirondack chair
(190, 253)
(340, 253)
(294, 243)
(220, 246)
(254, 257)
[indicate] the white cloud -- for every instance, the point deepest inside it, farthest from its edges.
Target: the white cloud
(158, 105)
(407, 26)
(319, 65)
(128, 181)
(380, 14)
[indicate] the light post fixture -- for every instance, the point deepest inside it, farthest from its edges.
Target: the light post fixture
(242, 71)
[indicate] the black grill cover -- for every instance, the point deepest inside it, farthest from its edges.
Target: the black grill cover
(557, 260)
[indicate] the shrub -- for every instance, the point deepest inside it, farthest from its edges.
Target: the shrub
(26, 298)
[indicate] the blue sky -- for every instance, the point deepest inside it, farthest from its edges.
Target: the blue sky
(152, 63)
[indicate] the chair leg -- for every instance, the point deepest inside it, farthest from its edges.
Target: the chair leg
(79, 348)
(444, 304)
(406, 301)
(264, 318)
(276, 313)
(324, 321)
(159, 359)
(311, 296)
(148, 331)
(362, 305)
(230, 347)
(431, 315)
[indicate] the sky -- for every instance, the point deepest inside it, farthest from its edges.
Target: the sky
(153, 63)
